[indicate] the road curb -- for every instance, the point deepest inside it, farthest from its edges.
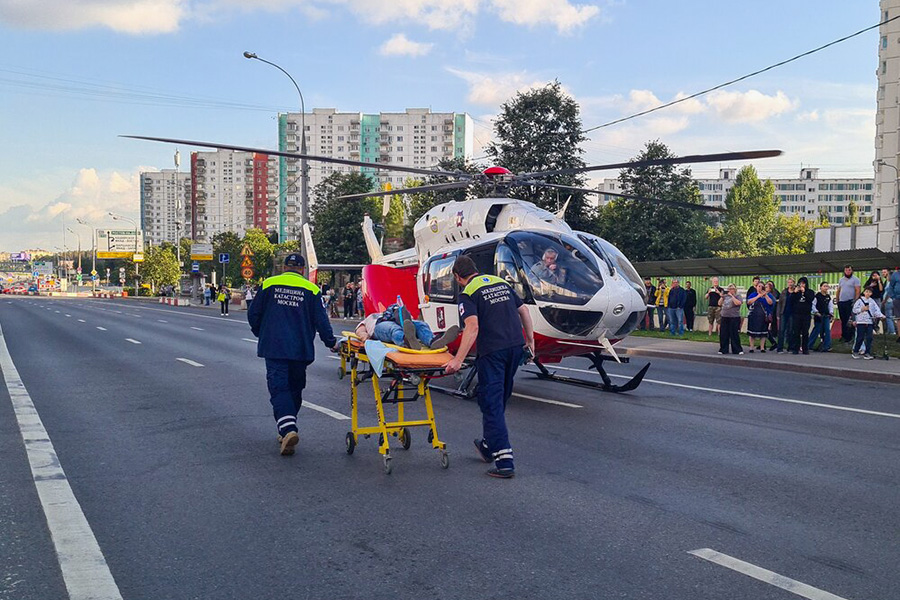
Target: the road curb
(771, 365)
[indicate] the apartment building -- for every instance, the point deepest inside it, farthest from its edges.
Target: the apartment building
(887, 130)
(232, 191)
(416, 137)
(165, 206)
(808, 195)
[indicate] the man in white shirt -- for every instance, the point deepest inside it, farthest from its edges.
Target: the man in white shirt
(847, 293)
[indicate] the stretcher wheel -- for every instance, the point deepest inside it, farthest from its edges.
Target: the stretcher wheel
(387, 465)
(405, 438)
(351, 443)
(430, 435)
(445, 460)
(340, 372)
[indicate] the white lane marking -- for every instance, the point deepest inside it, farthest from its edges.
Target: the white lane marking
(68, 315)
(194, 315)
(198, 328)
(138, 316)
(81, 321)
(101, 328)
(749, 395)
(546, 400)
(248, 340)
(335, 357)
(56, 311)
(161, 321)
(190, 362)
(83, 565)
(132, 341)
(118, 312)
(764, 575)
(326, 411)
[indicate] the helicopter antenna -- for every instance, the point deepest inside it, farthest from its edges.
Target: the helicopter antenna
(561, 213)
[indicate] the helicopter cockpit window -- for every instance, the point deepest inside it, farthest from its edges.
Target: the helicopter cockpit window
(507, 269)
(558, 268)
(439, 282)
(624, 267)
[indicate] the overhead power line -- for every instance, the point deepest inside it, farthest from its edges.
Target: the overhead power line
(742, 78)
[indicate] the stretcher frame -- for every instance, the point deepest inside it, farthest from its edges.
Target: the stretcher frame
(403, 382)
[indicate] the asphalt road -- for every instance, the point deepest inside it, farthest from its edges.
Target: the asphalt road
(176, 469)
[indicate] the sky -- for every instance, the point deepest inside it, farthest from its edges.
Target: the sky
(75, 74)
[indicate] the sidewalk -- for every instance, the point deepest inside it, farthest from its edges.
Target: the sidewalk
(831, 364)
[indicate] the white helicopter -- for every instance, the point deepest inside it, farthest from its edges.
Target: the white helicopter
(583, 294)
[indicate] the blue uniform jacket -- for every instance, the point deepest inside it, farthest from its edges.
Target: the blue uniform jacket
(677, 298)
(285, 315)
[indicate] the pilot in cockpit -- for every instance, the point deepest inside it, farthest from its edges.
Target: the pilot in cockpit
(548, 268)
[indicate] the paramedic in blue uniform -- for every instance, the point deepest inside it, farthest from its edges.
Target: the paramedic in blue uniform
(493, 317)
(285, 315)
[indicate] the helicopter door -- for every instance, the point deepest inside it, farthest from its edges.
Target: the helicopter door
(439, 307)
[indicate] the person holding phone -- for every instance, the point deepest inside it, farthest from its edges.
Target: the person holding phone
(801, 302)
(730, 327)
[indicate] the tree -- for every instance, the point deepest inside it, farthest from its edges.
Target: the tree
(824, 219)
(853, 213)
(263, 252)
(792, 235)
(227, 242)
(540, 130)
(748, 227)
(337, 230)
(650, 231)
(160, 266)
(395, 219)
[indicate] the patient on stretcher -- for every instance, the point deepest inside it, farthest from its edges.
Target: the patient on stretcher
(417, 335)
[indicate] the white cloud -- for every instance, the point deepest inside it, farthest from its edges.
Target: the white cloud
(166, 16)
(400, 45)
(91, 196)
(487, 89)
(560, 13)
(750, 106)
(124, 16)
(808, 117)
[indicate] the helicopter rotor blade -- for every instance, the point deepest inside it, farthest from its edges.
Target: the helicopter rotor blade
(453, 185)
(658, 162)
(325, 159)
(675, 203)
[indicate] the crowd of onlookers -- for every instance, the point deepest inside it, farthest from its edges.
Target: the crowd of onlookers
(796, 319)
(346, 302)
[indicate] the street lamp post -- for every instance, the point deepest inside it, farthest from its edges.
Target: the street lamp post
(70, 230)
(304, 172)
(116, 217)
(93, 251)
(881, 163)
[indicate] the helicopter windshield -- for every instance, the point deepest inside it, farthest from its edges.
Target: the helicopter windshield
(558, 268)
(617, 261)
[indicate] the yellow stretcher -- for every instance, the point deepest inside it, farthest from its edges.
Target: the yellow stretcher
(408, 372)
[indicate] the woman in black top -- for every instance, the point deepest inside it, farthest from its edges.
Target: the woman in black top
(876, 283)
(801, 302)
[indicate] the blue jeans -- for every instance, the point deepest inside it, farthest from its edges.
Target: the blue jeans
(889, 314)
(495, 384)
(784, 328)
(661, 313)
(823, 328)
(392, 333)
(676, 320)
(285, 380)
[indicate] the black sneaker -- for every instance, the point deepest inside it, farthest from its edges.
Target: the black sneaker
(483, 452)
(502, 473)
(409, 335)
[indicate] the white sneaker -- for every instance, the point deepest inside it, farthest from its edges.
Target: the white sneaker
(868, 357)
(854, 355)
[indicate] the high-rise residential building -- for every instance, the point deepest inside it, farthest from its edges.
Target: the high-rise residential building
(807, 195)
(887, 128)
(165, 206)
(232, 191)
(414, 138)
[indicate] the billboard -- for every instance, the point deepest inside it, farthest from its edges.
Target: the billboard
(201, 252)
(118, 243)
(20, 257)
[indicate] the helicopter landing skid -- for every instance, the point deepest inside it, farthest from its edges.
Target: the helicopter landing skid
(597, 359)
